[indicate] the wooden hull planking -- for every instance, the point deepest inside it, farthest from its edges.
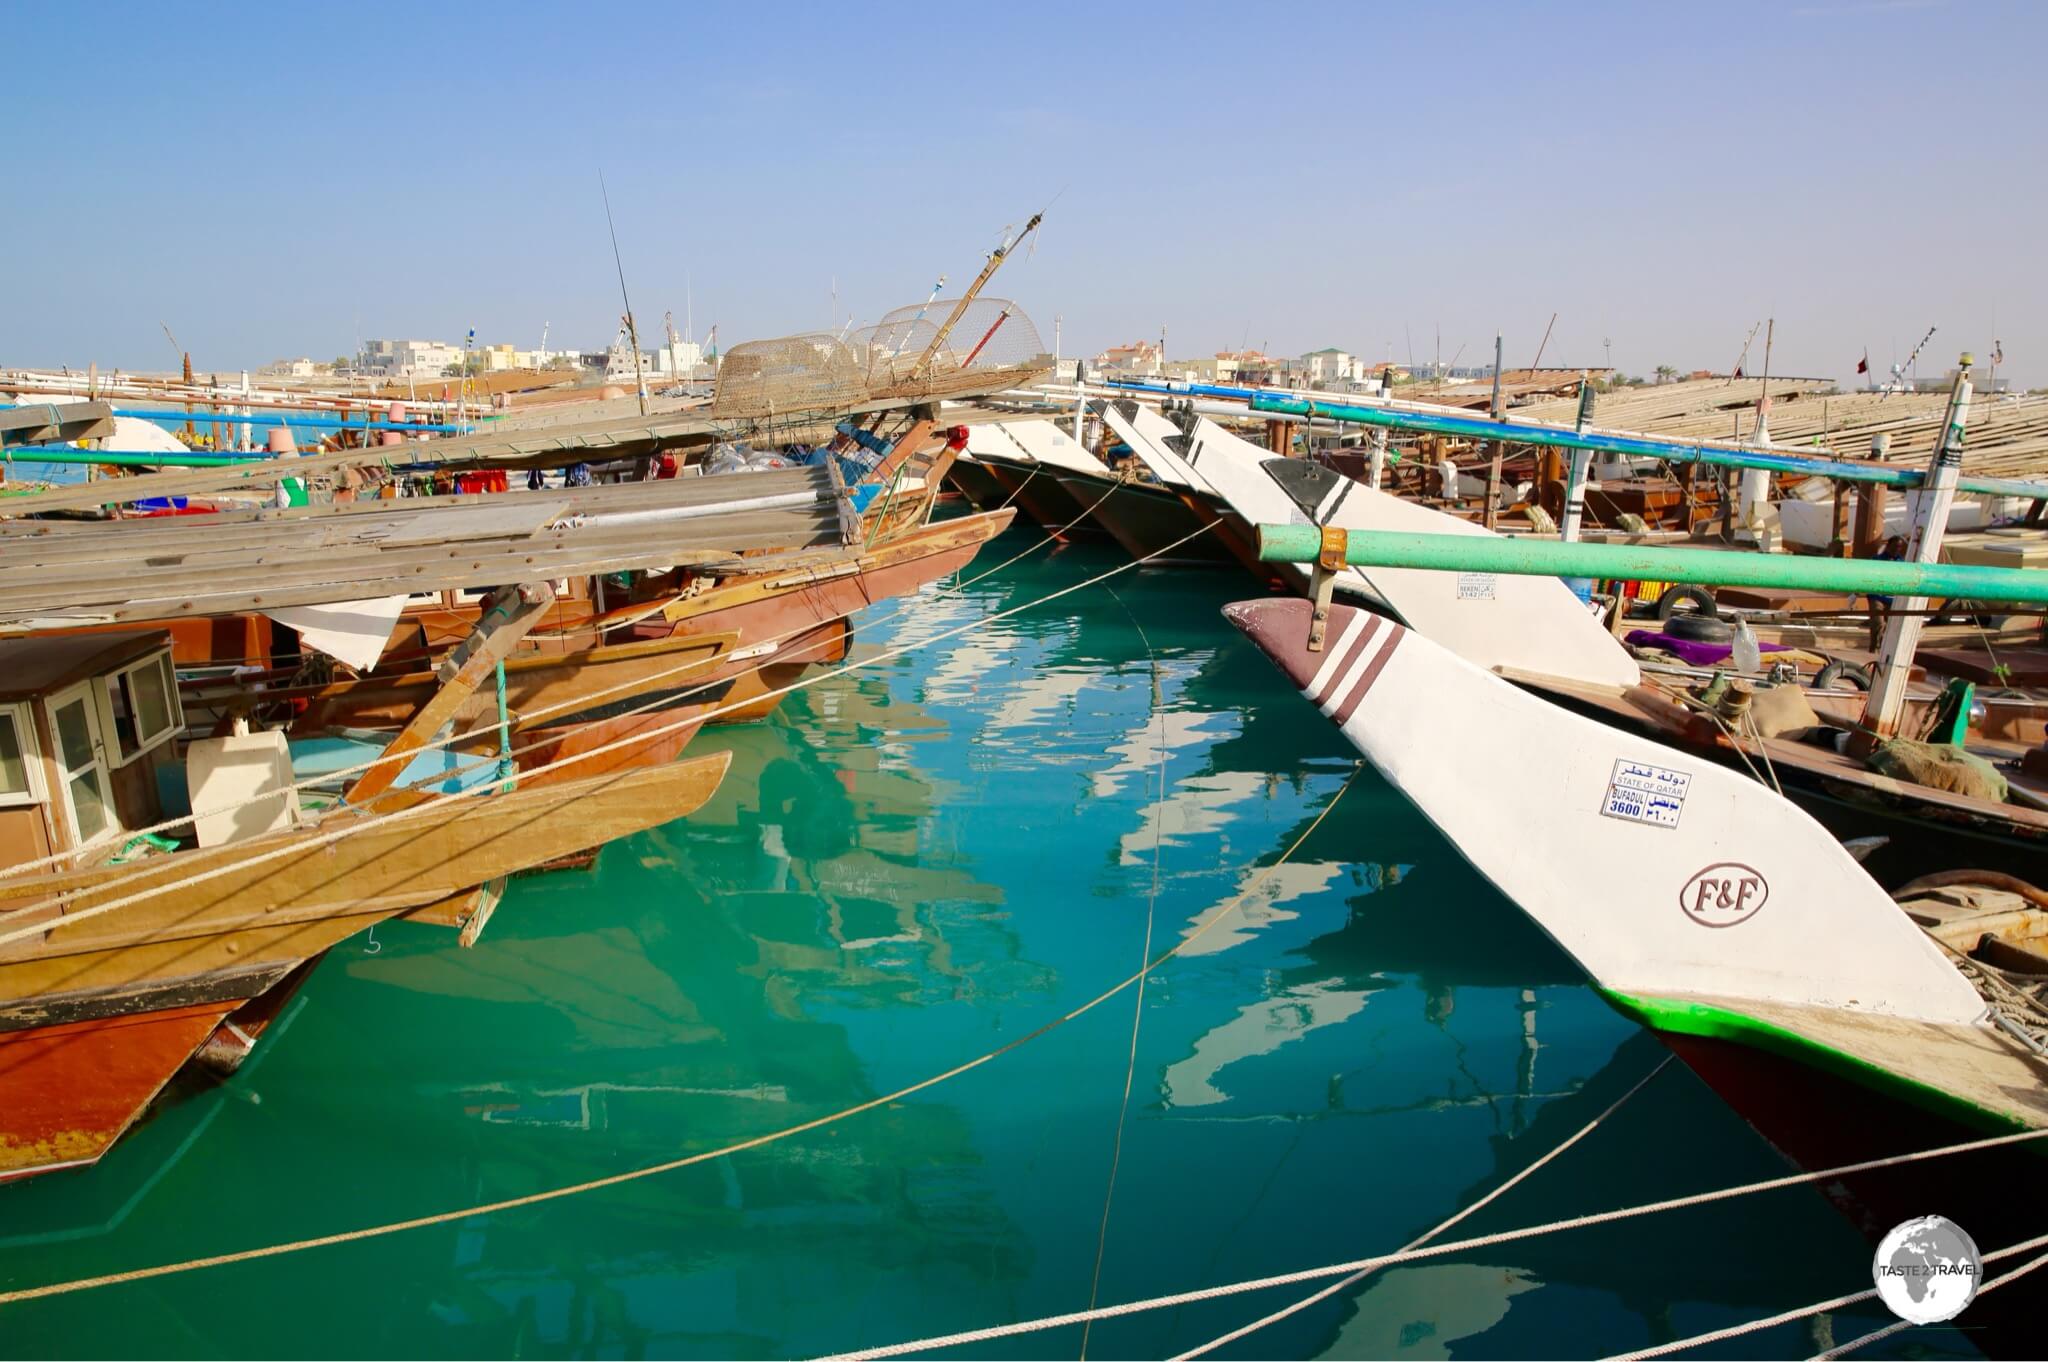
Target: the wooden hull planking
(268, 916)
(1148, 520)
(1035, 491)
(68, 1092)
(99, 1017)
(973, 481)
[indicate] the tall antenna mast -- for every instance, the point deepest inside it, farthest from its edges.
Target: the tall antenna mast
(632, 331)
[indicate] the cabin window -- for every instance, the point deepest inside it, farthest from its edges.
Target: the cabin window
(18, 783)
(142, 708)
(81, 761)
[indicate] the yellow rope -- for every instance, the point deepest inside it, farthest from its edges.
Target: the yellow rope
(296, 846)
(671, 1165)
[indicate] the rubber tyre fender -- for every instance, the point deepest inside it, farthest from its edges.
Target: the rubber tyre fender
(1699, 628)
(1837, 671)
(1701, 599)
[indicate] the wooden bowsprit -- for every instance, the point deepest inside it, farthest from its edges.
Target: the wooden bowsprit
(511, 612)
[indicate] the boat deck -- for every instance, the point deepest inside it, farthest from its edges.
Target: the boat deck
(1975, 1064)
(1649, 711)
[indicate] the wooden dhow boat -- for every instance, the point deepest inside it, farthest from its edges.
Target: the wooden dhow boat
(1149, 516)
(1581, 665)
(117, 970)
(1843, 1025)
(1807, 741)
(1530, 623)
(1032, 486)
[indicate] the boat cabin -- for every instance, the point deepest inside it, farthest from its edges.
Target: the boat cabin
(85, 721)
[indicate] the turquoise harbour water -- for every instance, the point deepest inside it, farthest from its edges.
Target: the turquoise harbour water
(909, 867)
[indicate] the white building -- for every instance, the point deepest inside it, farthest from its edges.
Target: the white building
(411, 358)
(292, 368)
(678, 357)
(1331, 367)
(1138, 359)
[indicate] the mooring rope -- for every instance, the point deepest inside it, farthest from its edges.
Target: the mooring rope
(577, 702)
(299, 845)
(1004, 504)
(1116, 1154)
(668, 1166)
(1346, 1282)
(899, 605)
(1051, 536)
(1427, 1251)
(1837, 1303)
(1900, 1326)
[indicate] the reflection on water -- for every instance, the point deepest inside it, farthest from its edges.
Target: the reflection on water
(910, 866)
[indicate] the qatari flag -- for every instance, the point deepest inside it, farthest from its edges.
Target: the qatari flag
(1863, 365)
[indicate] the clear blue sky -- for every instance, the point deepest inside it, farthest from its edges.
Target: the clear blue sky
(277, 181)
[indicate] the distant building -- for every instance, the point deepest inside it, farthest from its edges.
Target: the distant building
(544, 359)
(1139, 359)
(1330, 368)
(294, 368)
(678, 357)
(1978, 381)
(1254, 367)
(1192, 370)
(623, 365)
(411, 358)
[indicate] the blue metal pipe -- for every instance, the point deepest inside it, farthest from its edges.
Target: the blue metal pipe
(260, 416)
(222, 414)
(1635, 446)
(1188, 389)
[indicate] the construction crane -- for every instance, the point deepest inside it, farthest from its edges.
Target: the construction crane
(185, 358)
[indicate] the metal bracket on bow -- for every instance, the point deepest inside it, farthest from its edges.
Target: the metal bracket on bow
(1322, 581)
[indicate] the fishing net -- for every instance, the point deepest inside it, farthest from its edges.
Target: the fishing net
(911, 353)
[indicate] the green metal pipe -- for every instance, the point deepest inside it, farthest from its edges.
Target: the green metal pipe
(1634, 446)
(1651, 562)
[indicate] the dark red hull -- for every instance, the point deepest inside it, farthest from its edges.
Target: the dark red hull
(67, 1092)
(1819, 1120)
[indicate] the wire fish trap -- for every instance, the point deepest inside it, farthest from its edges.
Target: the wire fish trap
(991, 339)
(910, 353)
(811, 372)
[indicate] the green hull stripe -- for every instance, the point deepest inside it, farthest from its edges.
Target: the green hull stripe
(1715, 1023)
